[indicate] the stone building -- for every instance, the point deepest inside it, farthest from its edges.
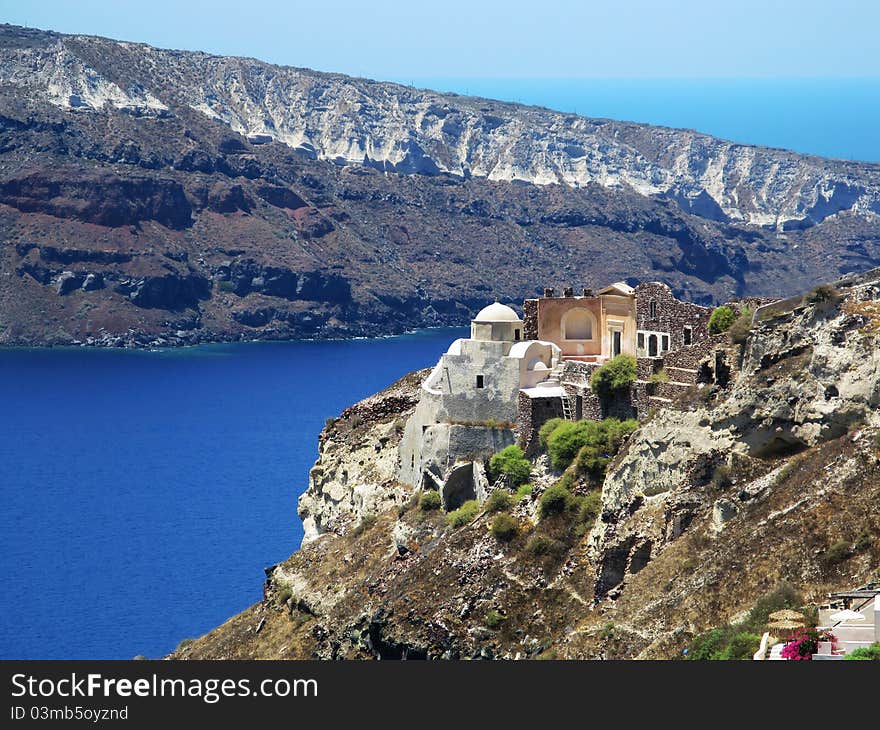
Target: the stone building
(468, 407)
(500, 385)
(666, 323)
(591, 327)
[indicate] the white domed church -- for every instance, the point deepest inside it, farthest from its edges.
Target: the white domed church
(469, 402)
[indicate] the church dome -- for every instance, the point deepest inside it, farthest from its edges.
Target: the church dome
(497, 312)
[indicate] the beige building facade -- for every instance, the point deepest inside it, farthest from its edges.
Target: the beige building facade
(592, 327)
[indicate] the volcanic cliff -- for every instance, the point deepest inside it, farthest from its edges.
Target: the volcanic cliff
(152, 197)
(768, 483)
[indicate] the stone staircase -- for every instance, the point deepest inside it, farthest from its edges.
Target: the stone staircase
(681, 376)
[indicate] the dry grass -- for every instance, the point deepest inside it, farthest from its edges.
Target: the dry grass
(869, 310)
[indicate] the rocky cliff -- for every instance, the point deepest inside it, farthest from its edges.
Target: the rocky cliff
(772, 480)
(160, 197)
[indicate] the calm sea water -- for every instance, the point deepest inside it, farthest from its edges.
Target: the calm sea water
(144, 492)
(829, 117)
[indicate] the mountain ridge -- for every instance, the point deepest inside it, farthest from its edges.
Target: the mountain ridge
(249, 201)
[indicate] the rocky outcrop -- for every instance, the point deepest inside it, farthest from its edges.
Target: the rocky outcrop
(698, 520)
(104, 200)
(355, 476)
(170, 291)
(404, 130)
(808, 375)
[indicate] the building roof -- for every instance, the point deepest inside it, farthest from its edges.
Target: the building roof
(497, 312)
(545, 390)
(618, 287)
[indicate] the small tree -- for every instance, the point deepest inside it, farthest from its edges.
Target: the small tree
(512, 462)
(721, 319)
(615, 375)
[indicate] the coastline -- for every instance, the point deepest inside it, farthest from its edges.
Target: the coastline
(138, 343)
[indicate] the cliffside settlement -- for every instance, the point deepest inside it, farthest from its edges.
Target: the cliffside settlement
(512, 374)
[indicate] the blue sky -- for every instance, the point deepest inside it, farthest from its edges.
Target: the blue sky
(498, 39)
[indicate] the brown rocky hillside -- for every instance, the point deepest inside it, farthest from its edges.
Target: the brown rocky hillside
(774, 480)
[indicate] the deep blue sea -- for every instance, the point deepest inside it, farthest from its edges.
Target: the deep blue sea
(143, 493)
(829, 117)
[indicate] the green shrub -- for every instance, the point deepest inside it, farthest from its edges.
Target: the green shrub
(710, 644)
(555, 500)
(837, 553)
(741, 646)
(783, 596)
(548, 428)
(740, 329)
(226, 286)
(823, 294)
(522, 491)
(721, 319)
(864, 541)
(661, 376)
(721, 478)
(865, 653)
(464, 514)
(615, 375)
(539, 544)
(493, 619)
(741, 640)
(499, 501)
(430, 500)
(877, 441)
(567, 440)
(504, 527)
(510, 461)
(589, 507)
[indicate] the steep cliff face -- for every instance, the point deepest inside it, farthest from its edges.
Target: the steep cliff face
(355, 475)
(402, 129)
(774, 479)
(257, 201)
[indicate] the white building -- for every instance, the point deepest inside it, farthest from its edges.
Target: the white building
(468, 404)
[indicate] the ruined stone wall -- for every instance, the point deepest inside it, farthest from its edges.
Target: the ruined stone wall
(647, 366)
(671, 316)
(534, 413)
(578, 373)
(691, 357)
(530, 319)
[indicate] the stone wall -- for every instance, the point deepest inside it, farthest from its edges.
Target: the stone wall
(534, 413)
(692, 356)
(530, 319)
(670, 315)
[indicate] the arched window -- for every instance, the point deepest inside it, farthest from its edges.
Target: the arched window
(577, 324)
